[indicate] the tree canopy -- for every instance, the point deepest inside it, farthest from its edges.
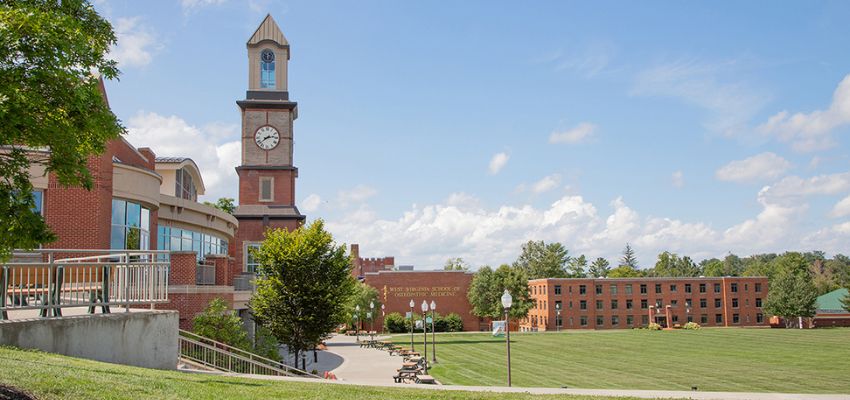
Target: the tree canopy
(303, 285)
(599, 268)
(455, 264)
(219, 323)
(625, 271)
(541, 260)
(629, 258)
(485, 291)
(53, 110)
(791, 295)
(225, 204)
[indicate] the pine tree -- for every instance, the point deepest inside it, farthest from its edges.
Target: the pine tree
(599, 268)
(629, 258)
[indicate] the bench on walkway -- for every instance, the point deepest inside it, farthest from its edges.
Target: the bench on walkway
(425, 379)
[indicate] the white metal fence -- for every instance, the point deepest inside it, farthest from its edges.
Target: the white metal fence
(50, 280)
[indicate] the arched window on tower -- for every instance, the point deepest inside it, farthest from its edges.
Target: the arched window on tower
(267, 69)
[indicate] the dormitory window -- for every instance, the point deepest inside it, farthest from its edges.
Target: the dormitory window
(266, 188)
(716, 288)
(177, 239)
(702, 288)
(557, 289)
(613, 290)
(657, 288)
(267, 69)
(598, 289)
(642, 289)
(758, 302)
(582, 289)
(629, 288)
(734, 288)
(758, 287)
(130, 226)
(251, 263)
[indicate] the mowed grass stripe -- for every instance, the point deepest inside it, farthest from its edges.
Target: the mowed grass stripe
(778, 360)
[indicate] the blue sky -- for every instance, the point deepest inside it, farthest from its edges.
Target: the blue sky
(436, 130)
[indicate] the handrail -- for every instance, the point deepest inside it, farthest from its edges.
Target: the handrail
(242, 355)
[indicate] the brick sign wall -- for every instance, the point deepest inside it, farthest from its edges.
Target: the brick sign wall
(447, 288)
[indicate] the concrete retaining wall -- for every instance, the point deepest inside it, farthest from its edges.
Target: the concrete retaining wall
(145, 339)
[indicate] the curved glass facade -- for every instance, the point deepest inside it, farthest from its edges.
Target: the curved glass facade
(178, 239)
(130, 226)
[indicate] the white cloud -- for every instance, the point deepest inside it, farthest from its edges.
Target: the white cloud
(191, 5)
(792, 188)
(842, 208)
(136, 43)
(172, 136)
(462, 227)
(812, 131)
(546, 184)
(678, 179)
(357, 194)
(311, 203)
(711, 86)
(577, 134)
(498, 162)
(759, 167)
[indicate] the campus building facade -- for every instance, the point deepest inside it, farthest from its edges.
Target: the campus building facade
(604, 303)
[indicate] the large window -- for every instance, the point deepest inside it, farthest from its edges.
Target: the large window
(38, 201)
(251, 263)
(176, 239)
(184, 186)
(130, 226)
(267, 69)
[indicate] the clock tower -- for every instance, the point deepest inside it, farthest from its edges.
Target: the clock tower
(266, 174)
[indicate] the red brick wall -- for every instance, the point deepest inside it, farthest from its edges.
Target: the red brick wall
(253, 230)
(283, 187)
(223, 274)
(447, 288)
(543, 315)
(184, 266)
(191, 304)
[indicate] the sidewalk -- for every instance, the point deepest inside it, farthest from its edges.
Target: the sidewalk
(366, 366)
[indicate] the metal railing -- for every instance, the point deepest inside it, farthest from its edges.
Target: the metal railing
(43, 280)
(205, 273)
(219, 356)
(244, 281)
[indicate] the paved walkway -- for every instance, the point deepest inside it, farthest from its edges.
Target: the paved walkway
(362, 365)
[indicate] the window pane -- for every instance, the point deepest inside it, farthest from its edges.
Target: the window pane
(118, 212)
(134, 215)
(133, 238)
(38, 201)
(116, 240)
(146, 219)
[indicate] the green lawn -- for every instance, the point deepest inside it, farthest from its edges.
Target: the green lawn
(745, 360)
(51, 376)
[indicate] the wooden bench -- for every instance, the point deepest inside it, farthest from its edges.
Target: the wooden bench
(425, 379)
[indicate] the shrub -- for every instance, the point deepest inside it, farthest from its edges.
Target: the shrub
(219, 323)
(395, 323)
(265, 344)
(453, 323)
(653, 327)
(691, 326)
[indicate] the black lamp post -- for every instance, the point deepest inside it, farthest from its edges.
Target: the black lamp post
(425, 332)
(411, 325)
(371, 320)
(383, 319)
(357, 322)
(356, 333)
(507, 301)
(433, 338)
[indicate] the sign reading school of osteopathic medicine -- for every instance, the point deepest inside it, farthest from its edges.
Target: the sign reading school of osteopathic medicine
(446, 288)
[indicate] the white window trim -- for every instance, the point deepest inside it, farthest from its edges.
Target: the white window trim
(245, 246)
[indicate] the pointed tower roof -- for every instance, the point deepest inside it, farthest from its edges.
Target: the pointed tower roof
(268, 30)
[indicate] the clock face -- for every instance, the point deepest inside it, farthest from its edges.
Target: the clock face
(266, 137)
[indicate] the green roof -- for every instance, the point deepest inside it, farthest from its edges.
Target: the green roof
(831, 302)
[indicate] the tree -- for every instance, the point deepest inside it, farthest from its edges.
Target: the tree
(541, 260)
(625, 271)
(846, 300)
(670, 264)
(455, 264)
(219, 323)
(53, 112)
(485, 291)
(363, 295)
(599, 268)
(577, 267)
(225, 204)
(792, 295)
(629, 257)
(303, 285)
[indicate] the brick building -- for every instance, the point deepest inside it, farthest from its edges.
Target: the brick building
(362, 266)
(633, 302)
(447, 289)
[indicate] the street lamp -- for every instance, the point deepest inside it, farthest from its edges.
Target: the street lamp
(412, 303)
(357, 320)
(433, 338)
(356, 333)
(371, 324)
(558, 320)
(425, 331)
(383, 319)
(371, 321)
(507, 301)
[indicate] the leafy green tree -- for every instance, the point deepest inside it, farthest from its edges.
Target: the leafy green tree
(711, 267)
(541, 260)
(599, 268)
(792, 295)
(670, 264)
(52, 109)
(219, 323)
(629, 258)
(485, 291)
(846, 300)
(625, 271)
(455, 264)
(303, 285)
(225, 204)
(363, 295)
(577, 267)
